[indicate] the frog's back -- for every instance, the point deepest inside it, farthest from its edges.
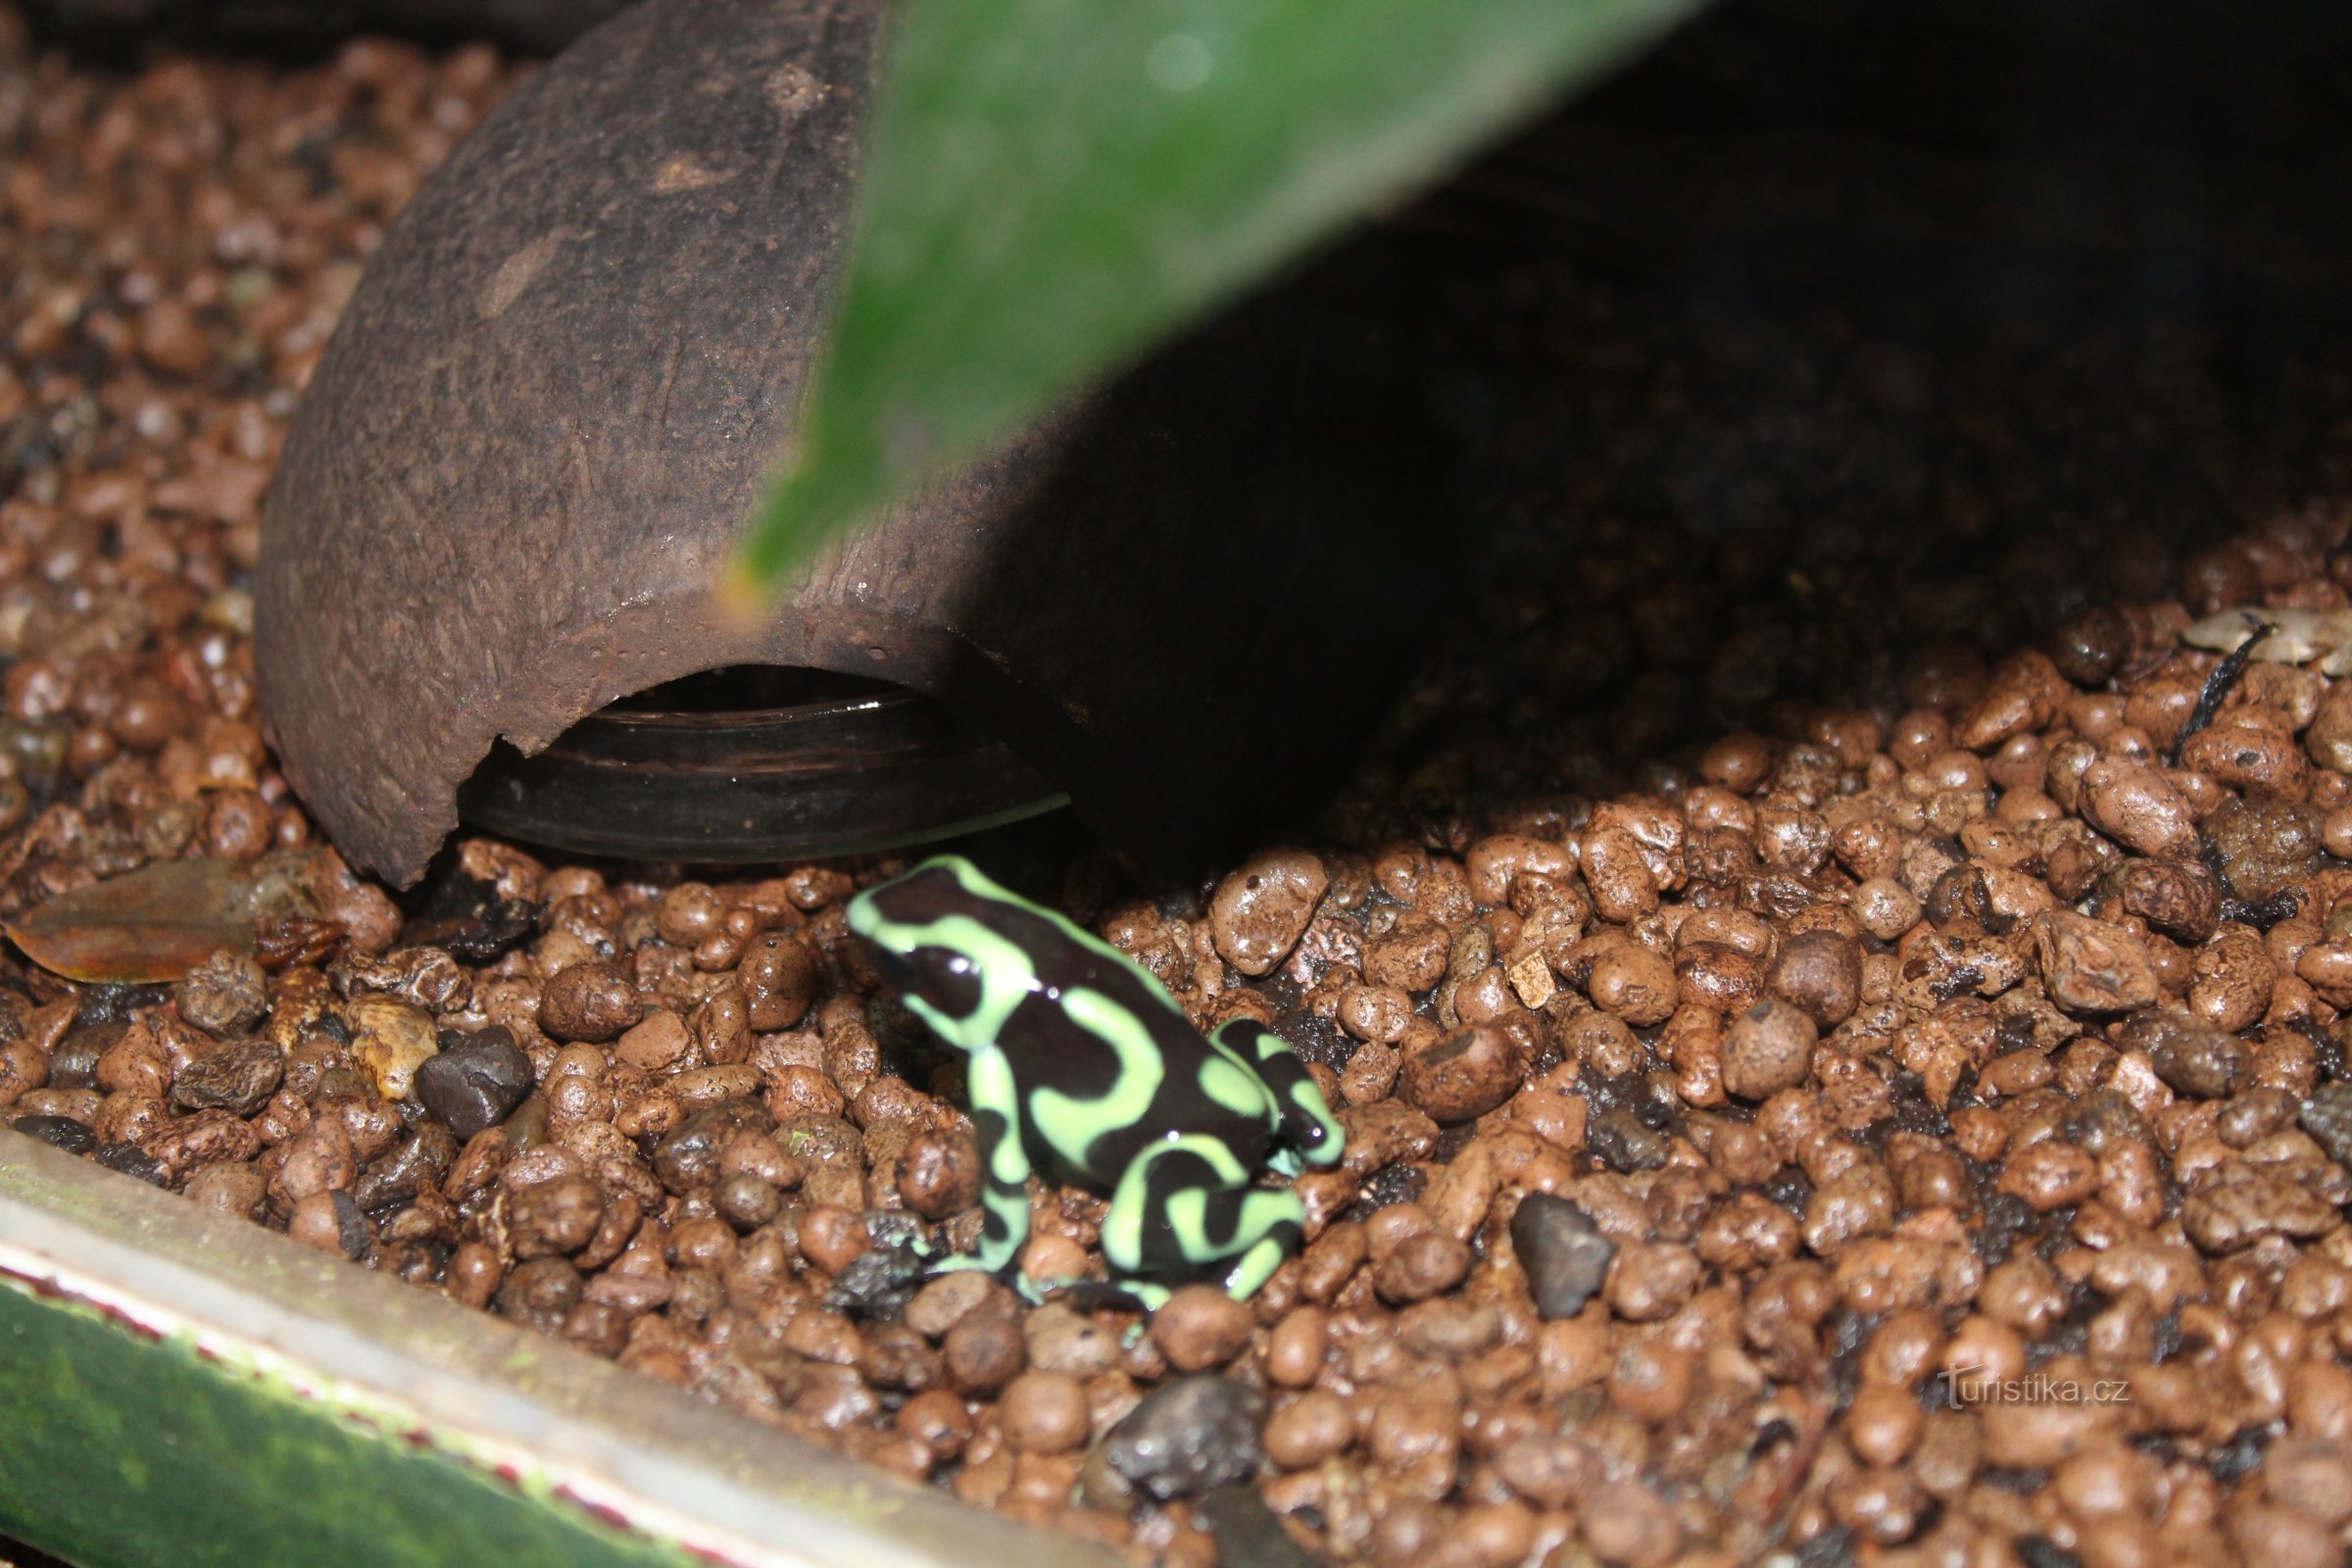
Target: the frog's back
(1104, 1060)
(1107, 1064)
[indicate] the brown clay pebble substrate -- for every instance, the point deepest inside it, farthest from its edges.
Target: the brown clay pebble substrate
(1959, 1024)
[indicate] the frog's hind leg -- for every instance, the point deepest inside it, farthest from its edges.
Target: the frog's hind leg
(1188, 1203)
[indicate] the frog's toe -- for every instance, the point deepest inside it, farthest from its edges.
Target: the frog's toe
(952, 1262)
(973, 1263)
(1112, 1295)
(1257, 1265)
(1146, 1294)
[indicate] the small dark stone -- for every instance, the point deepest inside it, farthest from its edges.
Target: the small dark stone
(1247, 1530)
(1623, 1144)
(239, 1076)
(414, 1262)
(131, 1160)
(475, 1081)
(1565, 1257)
(895, 1027)
(688, 1156)
(465, 917)
(350, 1226)
(1188, 1436)
(879, 1282)
(2327, 1117)
(59, 1131)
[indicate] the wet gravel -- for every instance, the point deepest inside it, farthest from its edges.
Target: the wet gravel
(1817, 951)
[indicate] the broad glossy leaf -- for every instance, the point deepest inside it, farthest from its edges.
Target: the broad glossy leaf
(1052, 185)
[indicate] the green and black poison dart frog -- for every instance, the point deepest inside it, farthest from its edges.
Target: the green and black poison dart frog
(1079, 1054)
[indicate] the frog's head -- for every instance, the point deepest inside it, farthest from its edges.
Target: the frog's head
(1313, 1131)
(906, 927)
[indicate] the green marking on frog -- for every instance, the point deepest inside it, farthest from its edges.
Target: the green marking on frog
(1066, 1120)
(1235, 1087)
(1076, 1050)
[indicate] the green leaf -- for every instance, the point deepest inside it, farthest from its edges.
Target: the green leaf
(1051, 186)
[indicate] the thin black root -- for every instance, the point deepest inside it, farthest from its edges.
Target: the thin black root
(2219, 684)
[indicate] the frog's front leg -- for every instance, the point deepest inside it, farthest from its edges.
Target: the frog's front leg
(1185, 1204)
(1004, 1191)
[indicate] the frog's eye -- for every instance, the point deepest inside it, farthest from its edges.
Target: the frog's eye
(945, 978)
